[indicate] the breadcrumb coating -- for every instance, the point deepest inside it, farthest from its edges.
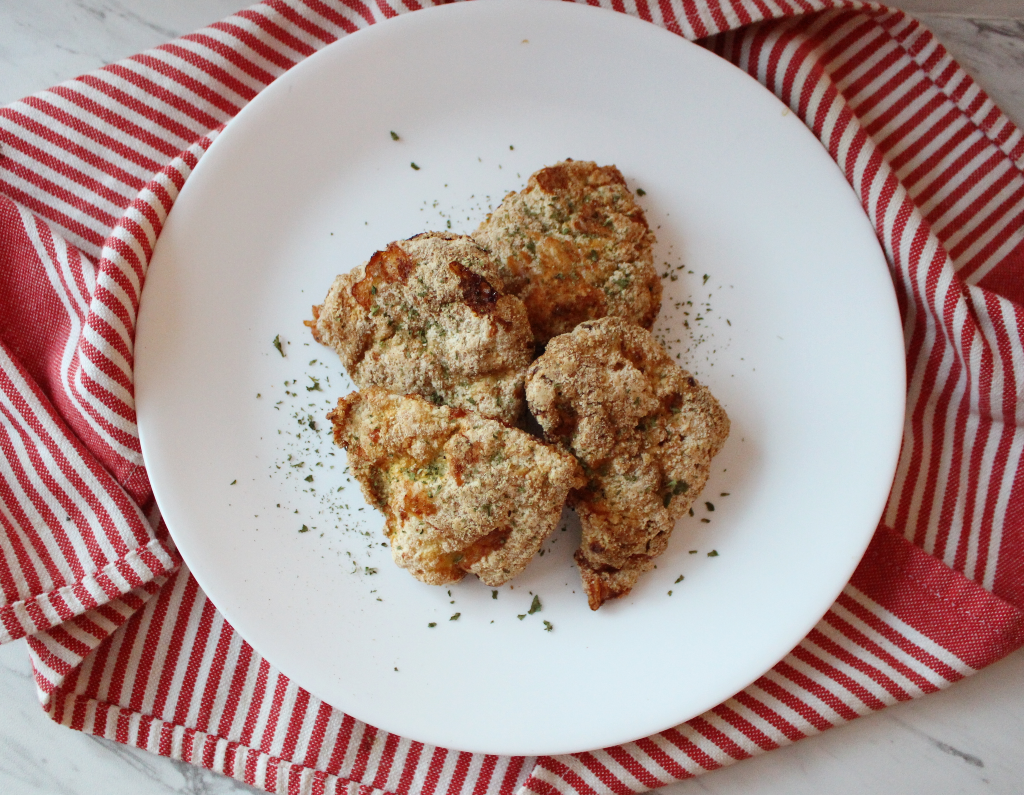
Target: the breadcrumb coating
(427, 316)
(460, 492)
(574, 246)
(644, 431)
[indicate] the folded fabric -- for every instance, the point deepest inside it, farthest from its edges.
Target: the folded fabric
(126, 646)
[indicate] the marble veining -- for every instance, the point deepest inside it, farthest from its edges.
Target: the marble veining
(967, 739)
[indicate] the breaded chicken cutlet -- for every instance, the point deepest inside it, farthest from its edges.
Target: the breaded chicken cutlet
(574, 246)
(428, 316)
(644, 431)
(460, 492)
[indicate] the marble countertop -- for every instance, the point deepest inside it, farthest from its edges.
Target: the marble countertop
(968, 739)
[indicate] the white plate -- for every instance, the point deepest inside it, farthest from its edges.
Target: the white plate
(801, 343)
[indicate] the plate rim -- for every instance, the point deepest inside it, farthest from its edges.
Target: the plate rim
(438, 11)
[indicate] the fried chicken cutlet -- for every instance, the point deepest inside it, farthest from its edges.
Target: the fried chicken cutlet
(460, 492)
(574, 246)
(428, 316)
(645, 432)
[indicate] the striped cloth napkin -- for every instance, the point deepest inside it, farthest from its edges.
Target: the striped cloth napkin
(126, 646)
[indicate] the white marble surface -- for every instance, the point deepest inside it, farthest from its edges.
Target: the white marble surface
(969, 739)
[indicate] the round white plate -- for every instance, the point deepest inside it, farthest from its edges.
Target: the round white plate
(792, 322)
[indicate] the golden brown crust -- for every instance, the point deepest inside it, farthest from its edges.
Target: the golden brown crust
(574, 246)
(428, 316)
(645, 432)
(460, 492)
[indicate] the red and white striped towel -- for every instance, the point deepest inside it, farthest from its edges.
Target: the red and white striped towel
(126, 646)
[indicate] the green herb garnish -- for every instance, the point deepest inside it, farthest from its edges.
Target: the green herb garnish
(394, 136)
(278, 345)
(415, 167)
(548, 626)
(713, 554)
(304, 529)
(641, 192)
(453, 617)
(679, 579)
(535, 605)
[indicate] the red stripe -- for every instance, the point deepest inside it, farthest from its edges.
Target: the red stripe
(150, 646)
(204, 120)
(1008, 412)
(217, 73)
(317, 737)
(483, 779)
(387, 760)
(915, 351)
(912, 149)
(819, 690)
(999, 218)
(230, 56)
(276, 32)
(1011, 227)
(633, 766)
(744, 726)
(951, 224)
(258, 695)
(512, 771)
(690, 749)
(81, 127)
(975, 500)
(120, 667)
(328, 13)
(254, 43)
(880, 676)
(363, 753)
(412, 761)
(570, 777)
(661, 758)
(52, 191)
(239, 676)
(270, 730)
(668, 15)
(301, 22)
(182, 615)
(840, 677)
(434, 770)
(38, 564)
(718, 738)
(341, 744)
(296, 721)
(459, 774)
(952, 171)
(787, 728)
(99, 191)
(71, 148)
(214, 676)
(964, 138)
